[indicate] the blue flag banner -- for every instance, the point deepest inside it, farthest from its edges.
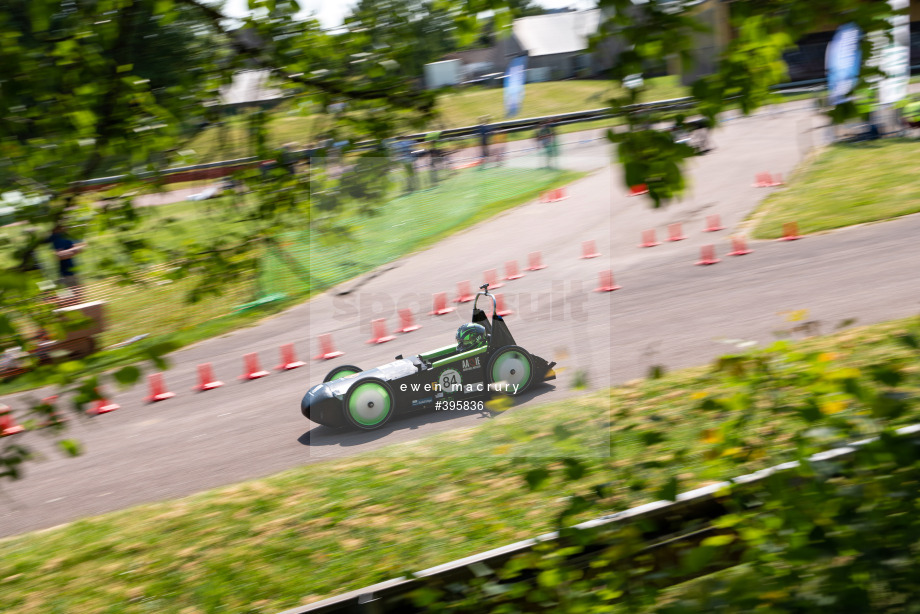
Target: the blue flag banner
(514, 86)
(843, 62)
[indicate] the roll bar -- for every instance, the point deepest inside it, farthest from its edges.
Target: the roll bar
(485, 292)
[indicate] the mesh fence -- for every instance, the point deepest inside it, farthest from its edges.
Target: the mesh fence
(308, 260)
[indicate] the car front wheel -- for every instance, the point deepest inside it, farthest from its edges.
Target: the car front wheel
(369, 403)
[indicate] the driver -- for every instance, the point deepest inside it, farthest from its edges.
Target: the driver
(470, 336)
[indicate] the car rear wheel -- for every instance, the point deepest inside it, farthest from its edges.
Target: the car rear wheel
(510, 366)
(369, 403)
(341, 371)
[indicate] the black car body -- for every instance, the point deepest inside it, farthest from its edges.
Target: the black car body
(443, 378)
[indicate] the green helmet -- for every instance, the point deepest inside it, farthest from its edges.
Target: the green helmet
(471, 336)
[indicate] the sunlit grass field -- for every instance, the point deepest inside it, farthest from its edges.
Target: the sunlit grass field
(846, 184)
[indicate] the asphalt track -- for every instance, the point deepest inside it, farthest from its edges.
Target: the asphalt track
(668, 312)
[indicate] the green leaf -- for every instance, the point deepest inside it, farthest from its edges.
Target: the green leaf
(550, 578)
(83, 119)
(535, 478)
(668, 492)
(11, 280)
(650, 438)
(561, 433)
(574, 469)
(886, 374)
(502, 19)
(909, 340)
(6, 327)
(425, 596)
(162, 348)
(718, 540)
(126, 376)
(40, 13)
(889, 405)
(710, 405)
(810, 412)
(71, 447)
(697, 559)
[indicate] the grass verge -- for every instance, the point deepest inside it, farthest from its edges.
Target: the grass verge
(846, 184)
(301, 535)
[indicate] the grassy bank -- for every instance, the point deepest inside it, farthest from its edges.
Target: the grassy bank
(266, 545)
(846, 184)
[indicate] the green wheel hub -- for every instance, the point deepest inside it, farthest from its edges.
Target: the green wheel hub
(511, 367)
(369, 404)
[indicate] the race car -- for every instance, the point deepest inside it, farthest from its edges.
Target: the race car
(484, 361)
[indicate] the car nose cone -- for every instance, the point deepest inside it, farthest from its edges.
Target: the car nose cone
(315, 400)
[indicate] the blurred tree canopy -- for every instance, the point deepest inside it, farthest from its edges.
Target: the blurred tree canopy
(96, 88)
(414, 32)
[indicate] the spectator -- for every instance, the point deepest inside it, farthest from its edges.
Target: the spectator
(290, 157)
(546, 137)
(406, 157)
(434, 154)
(65, 248)
(484, 132)
(498, 148)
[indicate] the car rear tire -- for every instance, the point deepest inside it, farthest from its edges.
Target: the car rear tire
(341, 371)
(369, 403)
(511, 365)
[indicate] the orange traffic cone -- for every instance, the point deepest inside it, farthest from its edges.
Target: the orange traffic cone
(288, 360)
(739, 248)
(206, 379)
(588, 250)
(158, 390)
(790, 232)
(103, 406)
(379, 332)
(327, 349)
(407, 322)
(648, 238)
(638, 190)
(440, 305)
(675, 233)
(713, 224)
(606, 283)
(534, 262)
(251, 369)
(511, 271)
(491, 278)
(8, 425)
(464, 295)
(708, 255)
(500, 308)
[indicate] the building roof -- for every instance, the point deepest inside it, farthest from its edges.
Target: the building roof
(555, 33)
(249, 86)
